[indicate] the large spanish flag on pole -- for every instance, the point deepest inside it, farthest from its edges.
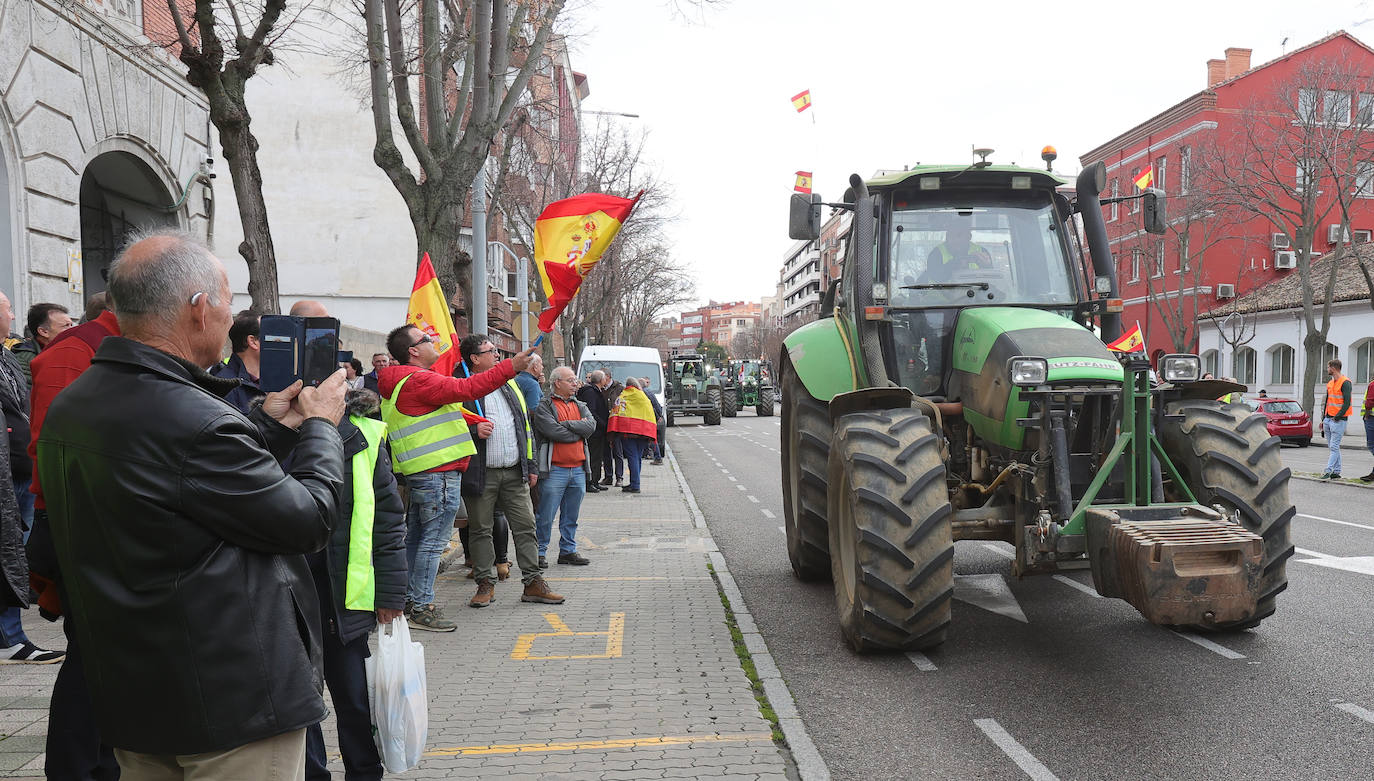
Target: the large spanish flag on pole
(569, 237)
(428, 311)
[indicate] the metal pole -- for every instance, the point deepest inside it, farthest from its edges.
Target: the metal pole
(477, 320)
(522, 283)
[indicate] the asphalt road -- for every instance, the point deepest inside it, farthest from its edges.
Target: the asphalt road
(1083, 687)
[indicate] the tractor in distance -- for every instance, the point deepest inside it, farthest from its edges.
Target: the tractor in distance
(693, 389)
(747, 383)
(958, 386)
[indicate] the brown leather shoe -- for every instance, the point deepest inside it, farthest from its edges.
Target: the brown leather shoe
(503, 570)
(485, 591)
(539, 591)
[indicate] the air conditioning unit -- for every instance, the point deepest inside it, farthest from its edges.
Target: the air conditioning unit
(1285, 259)
(1279, 241)
(1363, 236)
(1226, 291)
(1334, 235)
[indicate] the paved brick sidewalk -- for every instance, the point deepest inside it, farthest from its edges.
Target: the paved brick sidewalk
(634, 677)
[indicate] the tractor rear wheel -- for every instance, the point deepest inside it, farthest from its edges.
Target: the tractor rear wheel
(891, 540)
(729, 404)
(1226, 456)
(765, 408)
(712, 418)
(805, 448)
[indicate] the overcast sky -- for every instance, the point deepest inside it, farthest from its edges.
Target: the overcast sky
(893, 82)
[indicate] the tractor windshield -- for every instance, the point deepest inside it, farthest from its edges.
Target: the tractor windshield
(982, 248)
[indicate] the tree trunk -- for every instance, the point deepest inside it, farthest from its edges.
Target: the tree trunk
(241, 155)
(1312, 345)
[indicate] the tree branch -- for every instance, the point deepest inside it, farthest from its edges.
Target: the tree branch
(400, 78)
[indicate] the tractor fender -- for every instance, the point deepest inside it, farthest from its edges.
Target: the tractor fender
(824, 359)
(870, 399)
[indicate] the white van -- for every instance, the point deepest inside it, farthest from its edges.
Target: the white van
(622, 361)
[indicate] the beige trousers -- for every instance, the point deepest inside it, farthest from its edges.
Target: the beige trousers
(279, 758)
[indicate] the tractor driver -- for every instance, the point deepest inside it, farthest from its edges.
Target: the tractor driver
(956, 253)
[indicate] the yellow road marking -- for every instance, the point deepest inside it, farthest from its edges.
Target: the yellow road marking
(597, 745)
(614, 634)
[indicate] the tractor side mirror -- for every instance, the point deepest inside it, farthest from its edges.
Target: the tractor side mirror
(1155, 221)
(804, 217)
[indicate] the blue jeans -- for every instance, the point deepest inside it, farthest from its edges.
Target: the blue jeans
(1369, 434)
(561, 491)
(11, 625)
(1334, 430)
(634, 455)
(434, 500)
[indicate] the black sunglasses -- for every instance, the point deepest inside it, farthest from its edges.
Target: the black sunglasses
(422, 340)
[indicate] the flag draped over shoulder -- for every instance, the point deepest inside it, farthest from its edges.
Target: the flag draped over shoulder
(428, 311)
(633, 413)
(803, 184)
(1130, 342)
(1146, 177)
(569, 237)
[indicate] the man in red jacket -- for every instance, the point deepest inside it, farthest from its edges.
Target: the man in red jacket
(431, 446)
(74, 749)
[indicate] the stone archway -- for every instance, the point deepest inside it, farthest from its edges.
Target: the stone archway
(120, 194)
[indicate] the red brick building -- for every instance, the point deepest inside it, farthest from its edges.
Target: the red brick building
(1213, 253)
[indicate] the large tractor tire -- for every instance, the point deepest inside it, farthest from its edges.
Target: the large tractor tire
(713, 395)
(805, 450)
(1226, 456)
(765, 407)
(891, 537)
(729, 404)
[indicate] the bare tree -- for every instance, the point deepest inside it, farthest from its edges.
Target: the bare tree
(450, 126)
(1292, 158)
(224, 79)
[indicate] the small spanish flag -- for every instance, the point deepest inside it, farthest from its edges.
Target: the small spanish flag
(1146, 177)
(802, 100)
(803, 184)
(1130, 342)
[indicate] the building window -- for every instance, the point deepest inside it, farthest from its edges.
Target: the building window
(1337, 107)
(1364, 367)
(1182, 253)
(1135, 203)
(1329, 353)
(1307, 105)
(1161, 169)
(1136, 255)
(1185, 169)
(1243, 366)
(1281, 365)
(1364, 180)
(1115, 207)
(1364, 117)
(1209, 362)
(1306, 170)
(1159, 259)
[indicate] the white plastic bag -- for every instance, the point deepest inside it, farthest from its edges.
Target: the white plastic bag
(396, 692)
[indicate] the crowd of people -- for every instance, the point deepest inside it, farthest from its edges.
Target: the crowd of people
(218, 553)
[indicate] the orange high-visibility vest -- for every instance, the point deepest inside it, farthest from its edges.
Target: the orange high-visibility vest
(1334, 398)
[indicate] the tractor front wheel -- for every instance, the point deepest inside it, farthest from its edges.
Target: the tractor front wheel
(712, 418)
(729, 404)
(891, 540)
(805, 448)
(1226, 456)
(765, 408)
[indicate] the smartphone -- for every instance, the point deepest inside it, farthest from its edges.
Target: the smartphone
(297, 348)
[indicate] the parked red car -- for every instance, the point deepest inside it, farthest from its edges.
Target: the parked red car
(1286, 419)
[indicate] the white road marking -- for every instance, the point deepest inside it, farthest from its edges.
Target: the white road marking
(999, 550)
(726, 471)
(1363, 565)
(767, 513)
(1215, 648)
(752, 498)
(781, 529)
(989, 592)
(1017, 752)
(1356, 711)
(921, 661)
(1333, 520)
(740, 487)
(1313, 554)
(1070, 582)
(731, 478)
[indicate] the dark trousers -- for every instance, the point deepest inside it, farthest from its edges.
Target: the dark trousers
(634, 448)
(345, 674)
(75, 752)
(500, 537)
(596, 448)
(607, 453)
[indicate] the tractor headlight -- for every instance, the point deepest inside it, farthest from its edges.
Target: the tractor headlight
(1026, 370)
(1180, 368)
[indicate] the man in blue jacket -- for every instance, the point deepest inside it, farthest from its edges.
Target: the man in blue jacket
(245, 364)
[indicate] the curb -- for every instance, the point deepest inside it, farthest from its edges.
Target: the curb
(810, 765)
(1350, 481)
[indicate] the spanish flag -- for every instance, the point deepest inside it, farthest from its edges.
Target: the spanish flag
(803, 184)
(1130, 342)
(569, 237)
(428, 311)
(802, 100)
(633, 413)
(1146, 177)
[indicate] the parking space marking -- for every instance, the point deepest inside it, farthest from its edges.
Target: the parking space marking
(614, 634)
(1356, 711)
(598, 745)
(921, 661)
(1017, 752)
(1333, 520)
(1068, 581)
(1312, 553)
(1215, 648)
(767, 513)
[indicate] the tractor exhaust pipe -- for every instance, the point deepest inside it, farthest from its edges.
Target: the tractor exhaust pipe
(1091, 182)
(862, 256)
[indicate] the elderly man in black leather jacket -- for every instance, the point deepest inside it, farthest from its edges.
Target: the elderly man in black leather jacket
(180, 537)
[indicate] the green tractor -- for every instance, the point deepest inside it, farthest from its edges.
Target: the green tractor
(693, 389)
(747, 384)
(959, 387)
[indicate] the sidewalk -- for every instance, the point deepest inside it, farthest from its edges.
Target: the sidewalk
(634, 677)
